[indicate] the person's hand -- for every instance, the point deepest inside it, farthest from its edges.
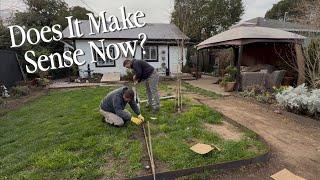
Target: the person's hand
(141, 118)
(134, 78)
(136, 121)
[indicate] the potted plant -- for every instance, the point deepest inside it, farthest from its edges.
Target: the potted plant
(229, 79)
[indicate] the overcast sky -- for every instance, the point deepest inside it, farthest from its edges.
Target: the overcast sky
(155, 10)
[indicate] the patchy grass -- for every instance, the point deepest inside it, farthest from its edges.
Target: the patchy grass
(196, 90)
(61, 136)
(173, 134)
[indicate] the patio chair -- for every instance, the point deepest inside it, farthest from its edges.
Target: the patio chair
(275, 79)
(262, 78)
(249, 79)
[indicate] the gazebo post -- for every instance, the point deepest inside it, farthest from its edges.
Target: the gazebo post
(235, 53)
(238, 65)
(197, 64)
(301, 64)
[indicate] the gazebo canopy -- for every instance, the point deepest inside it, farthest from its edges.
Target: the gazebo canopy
(242, 35)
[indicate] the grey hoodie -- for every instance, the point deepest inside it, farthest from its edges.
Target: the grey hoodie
(115, 103)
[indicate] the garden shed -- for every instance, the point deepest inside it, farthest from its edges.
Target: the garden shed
(10, 71)
(259, 46)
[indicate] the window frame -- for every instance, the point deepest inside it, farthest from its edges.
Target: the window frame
(112, 54)
(157, 54)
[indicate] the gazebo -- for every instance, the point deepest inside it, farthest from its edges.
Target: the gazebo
(252, 44)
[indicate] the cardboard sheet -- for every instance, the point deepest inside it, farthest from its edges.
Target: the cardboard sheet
(201, 148)
(285, 174)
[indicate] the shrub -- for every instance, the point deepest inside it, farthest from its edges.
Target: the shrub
(259, 93)
(19, 91)
(128, 76)
(300, 100)
(226, 79)
(42, 82)
(38, 82)
(224, 57)
(96, 78)
(230, 75)
(232, 71)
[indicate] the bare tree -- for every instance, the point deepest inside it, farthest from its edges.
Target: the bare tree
(312, 58)
(309, 69)
(309, 12)
(306, 61)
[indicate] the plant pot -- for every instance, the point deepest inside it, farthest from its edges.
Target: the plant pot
(229, 86)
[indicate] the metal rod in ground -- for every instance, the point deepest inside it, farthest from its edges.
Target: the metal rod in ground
(151, 153)
(181, 98)
(161, 98)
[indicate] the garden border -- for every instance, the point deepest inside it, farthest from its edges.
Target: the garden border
(220, 166)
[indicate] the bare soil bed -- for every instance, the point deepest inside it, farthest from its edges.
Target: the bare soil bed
(294, 140)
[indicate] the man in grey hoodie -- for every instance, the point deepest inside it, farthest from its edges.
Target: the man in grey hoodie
(146, 73)
(113, 106)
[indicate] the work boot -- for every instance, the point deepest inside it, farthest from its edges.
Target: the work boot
(111, 118)
(114, 122)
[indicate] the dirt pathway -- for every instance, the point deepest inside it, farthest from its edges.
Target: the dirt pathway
(295, 142)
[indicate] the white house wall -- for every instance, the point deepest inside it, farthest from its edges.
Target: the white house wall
(174, 55)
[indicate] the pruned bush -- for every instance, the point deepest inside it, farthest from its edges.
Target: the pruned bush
(300, 100)
(19, 91)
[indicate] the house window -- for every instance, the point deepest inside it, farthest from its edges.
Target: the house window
(151, 54)
(129, 55)
(108, 63)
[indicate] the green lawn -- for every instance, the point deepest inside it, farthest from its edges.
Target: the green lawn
(61, 136)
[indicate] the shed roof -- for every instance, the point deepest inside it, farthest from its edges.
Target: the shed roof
(154, 31)
(242, 35)
(278, 24)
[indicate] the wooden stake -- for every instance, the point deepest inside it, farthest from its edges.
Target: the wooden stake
(146, 140)
(149, 148)
(151, 153)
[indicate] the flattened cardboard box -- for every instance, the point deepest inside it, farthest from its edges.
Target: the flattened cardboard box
(286, 175)
(201, 148)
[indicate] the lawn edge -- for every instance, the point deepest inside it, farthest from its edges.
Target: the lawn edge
(262, 158)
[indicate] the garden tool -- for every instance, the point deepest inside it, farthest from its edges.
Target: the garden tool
(136, 96)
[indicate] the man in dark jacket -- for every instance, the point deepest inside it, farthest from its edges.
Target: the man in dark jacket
(144, 72)
(113, 106)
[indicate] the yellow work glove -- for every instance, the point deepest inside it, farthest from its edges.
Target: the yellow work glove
(141, 118)
(136, 121)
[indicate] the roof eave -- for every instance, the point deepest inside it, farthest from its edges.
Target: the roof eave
(239, 42)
